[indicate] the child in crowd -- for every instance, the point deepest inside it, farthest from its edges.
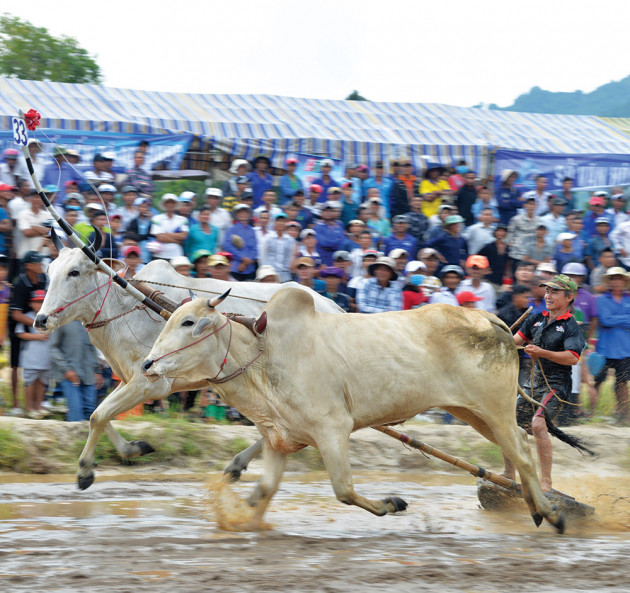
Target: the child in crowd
(35, 360)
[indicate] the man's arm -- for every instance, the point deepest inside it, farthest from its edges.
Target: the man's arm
(566, 357)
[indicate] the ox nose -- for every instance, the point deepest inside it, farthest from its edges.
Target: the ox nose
(40, 321)
(147, 365)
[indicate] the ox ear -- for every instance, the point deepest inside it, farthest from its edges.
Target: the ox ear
(212, 303)
(114, 264)
(201, 325)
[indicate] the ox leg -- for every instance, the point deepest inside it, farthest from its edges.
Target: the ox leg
(241, 460)
(334, 451)
(513, 442)
(274, 463)
(120, 400)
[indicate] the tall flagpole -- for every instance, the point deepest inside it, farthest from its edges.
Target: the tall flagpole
(87, 250)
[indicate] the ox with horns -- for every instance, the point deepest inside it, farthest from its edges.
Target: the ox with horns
(133, 389)
(125, 331)
(309, 378)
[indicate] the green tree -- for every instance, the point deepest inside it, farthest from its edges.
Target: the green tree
(355, 96)
(32, 53)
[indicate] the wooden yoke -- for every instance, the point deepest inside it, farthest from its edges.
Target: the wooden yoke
(157, 296)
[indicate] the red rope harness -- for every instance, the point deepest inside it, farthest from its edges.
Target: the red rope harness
(89, 325)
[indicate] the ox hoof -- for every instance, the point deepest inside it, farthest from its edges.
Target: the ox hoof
(144, 447)
(233, 474)
(398, 504)
(559, 524)
(84, 482)
(537, 517)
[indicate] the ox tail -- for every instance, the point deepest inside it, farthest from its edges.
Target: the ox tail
(566, 438)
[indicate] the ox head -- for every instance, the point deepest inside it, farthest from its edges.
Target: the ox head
(191, 344)
(72, 275)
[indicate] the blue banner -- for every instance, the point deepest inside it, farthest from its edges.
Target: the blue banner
(167, 149)
(588, 171)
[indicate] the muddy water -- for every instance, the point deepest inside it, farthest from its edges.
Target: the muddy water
(144, 536)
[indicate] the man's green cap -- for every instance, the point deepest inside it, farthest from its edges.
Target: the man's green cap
(561, 282)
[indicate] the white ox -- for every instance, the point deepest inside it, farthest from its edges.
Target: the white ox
(128, 337)
(312, 379)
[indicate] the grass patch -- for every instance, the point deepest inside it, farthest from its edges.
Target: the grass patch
(13, 451)
(235, 445)
(310, 457)
(485, 454)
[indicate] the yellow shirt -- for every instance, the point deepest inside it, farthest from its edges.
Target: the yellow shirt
(427, 187)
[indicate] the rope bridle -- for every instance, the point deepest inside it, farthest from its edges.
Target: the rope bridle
(98, 312)
(215, 379)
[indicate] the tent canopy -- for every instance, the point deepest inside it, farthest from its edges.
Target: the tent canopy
(360, 131)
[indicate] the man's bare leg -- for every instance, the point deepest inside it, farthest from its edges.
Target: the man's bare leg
(545, 451)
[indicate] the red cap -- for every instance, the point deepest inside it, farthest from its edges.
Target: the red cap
(291, 162)
(467, 297)
(481, 261)
(597, 201)
(318, 189)
(6, 187)
(129, 249)
(346, 185)
(38, 295)
(226, 254)
(69, 183)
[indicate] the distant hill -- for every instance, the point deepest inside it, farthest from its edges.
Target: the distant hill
(609, 100)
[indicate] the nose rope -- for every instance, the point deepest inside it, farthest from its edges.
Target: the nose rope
(60, 309)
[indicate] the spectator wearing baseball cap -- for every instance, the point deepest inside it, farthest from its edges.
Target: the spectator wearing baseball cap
(451, 277)
(128, 211)
(8, 168)
(384, 183)
(305, 269)
(554, 220)
(537, 249)
(521, 228)
(132, 256)
(326, 181)
(617, 208)
(449, 243)
(219, 217)
(334, 277)
(59, 172)
(331, 235)
(476, 269)
(468, 299)
(412, 292)
(240, 240)
(600, 241)
(289, 182)
(400, 238)
(307, 246)
(101, 173)
(596, 209)
(564, 250)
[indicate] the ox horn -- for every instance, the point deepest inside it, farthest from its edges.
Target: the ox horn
(56, 240)
(98, 239)
(191, 294)
(212, 303)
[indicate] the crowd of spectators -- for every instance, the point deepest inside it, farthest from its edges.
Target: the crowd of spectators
(372, 241)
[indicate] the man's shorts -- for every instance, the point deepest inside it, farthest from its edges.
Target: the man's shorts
(525, 412)
(31, 375)
(622, 370)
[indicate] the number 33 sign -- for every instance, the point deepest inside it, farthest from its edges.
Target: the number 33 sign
(20, 135)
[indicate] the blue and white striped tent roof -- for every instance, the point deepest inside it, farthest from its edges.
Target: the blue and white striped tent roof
(248, 125)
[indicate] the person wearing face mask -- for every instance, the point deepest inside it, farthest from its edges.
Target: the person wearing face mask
(413, 295)
(457, 180)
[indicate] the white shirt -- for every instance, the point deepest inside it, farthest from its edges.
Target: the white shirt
(6, 176)
(618, 217)
(98, 177)
(445, 296)
(162, 223)
(478, 236)
(620, 236)
(273, 212)
(484, 291)
(278, 252)
(25, 220)
(221, 219)
(542, 201)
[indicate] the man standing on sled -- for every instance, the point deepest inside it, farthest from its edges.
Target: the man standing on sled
(555, 342)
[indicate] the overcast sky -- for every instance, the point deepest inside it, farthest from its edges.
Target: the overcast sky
(453, 52)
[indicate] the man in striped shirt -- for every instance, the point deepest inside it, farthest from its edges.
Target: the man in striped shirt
(380, 293)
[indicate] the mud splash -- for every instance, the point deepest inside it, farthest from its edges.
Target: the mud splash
(153, 536)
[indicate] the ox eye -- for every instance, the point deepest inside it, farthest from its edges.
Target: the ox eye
(73, 273)
(188, 323)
